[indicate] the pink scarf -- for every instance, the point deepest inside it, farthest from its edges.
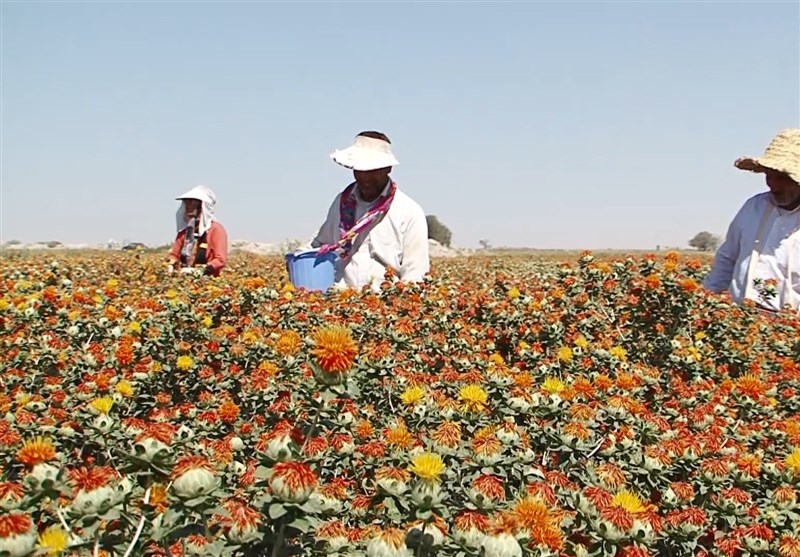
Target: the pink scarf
(348, 228)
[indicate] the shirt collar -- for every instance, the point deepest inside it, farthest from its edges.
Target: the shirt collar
(383, 192)
(771, 201)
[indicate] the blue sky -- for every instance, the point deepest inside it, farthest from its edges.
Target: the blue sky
(552, 125)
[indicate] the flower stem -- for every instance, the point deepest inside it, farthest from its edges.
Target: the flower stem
(313, 427)
(278, 540)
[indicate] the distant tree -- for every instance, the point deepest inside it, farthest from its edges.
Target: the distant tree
(54, 244)
(438, 231)
(13, 243)
(485, 244)
(705, 241)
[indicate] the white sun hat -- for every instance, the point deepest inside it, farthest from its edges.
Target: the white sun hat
(366, 153)
(782, 154)
(208, 200)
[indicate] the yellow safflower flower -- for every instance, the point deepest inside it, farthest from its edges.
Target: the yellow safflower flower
(473, 398)
(412, 395)
(428, 466)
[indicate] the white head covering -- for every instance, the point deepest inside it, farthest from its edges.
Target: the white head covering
(208, 201)
(366, 153)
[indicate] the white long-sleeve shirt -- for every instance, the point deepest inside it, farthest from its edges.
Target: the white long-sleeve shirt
(399, 240)
(778, 255)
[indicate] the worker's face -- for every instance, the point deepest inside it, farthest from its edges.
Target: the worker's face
(192, 207)
(785, 190)
(370, 183)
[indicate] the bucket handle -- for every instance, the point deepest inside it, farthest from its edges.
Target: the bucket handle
(286, 259)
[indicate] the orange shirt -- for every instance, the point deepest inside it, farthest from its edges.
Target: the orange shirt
(216, 251)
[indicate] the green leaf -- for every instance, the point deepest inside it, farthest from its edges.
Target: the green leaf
(263, 473)
(196, 502)
(300, 524)
(353, 390)
(276, 510)
(390, 504)
(310, 507)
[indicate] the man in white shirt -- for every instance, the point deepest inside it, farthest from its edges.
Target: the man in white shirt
(372, 225)
(762, 243)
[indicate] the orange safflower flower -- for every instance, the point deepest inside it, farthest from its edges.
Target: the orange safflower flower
(448, 434)
(399, 437)
(683, 490)
(13, 491)
(288, 343)
(316, 446)
(392, 473)
(634, 551)
(750, 386)
(293, 481)
(653, 282)
(254, 283)
(228, 412)
(158, 498)
(375, 449)
(467, 520)
(543, 491)
(335, 350)
(611, 475)
(490, 486)
(364, 429)
(503, 523)
(620, 517)
(36, 451)
(390, 541)
(89, 479)
(485, 442)
(192, 462)
(789, 546)
(332, 530)
(14, 524)
(404, 326)
(603, 382)
(534, 515)
(241, 517)
(158, 431)
(336, 489)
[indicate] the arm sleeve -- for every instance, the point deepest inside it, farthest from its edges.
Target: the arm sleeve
(719, 279)
(416, 257)
(328, 233)
(219, 244)
(175, 250)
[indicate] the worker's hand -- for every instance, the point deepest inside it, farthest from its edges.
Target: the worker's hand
(169, 267)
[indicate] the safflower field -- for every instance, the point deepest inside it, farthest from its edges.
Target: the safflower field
(509, 406)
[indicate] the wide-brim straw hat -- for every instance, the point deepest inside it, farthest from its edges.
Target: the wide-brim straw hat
(782, 155)
(366, 153)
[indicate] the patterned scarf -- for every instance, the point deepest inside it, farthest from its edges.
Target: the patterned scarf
(189, 242)
(348, 228)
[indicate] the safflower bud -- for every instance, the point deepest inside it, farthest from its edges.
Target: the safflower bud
(193, 477)
(236, 444)
(293, 482)
(389, 543)
(427, 494)
(18, 534)
(502, 545)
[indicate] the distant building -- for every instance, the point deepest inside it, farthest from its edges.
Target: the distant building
(136, 246)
